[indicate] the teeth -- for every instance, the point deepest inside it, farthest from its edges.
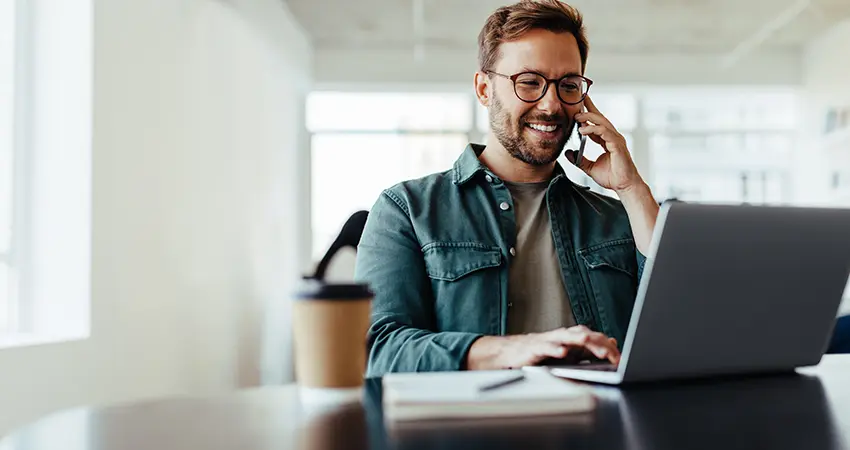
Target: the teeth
(546, 128)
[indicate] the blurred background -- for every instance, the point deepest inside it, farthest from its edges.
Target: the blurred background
(169, 168)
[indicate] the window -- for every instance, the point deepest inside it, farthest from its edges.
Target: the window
(359, 112)
(378, 139)
(7, 162)
(45, 170)
(376, 162)
(718, 145)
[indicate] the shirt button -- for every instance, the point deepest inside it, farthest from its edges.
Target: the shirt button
(505, 206)
(510, 305)
(489, 179)
(513, 251)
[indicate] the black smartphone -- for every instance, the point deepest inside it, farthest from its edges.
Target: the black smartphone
(579, 154)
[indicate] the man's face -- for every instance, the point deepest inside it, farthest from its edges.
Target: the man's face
(517, 124)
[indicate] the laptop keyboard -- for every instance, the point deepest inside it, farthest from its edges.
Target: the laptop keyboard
(602, 367)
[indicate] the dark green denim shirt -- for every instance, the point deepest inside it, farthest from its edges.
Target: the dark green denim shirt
(436, 252)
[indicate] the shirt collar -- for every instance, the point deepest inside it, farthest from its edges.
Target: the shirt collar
(468, 164)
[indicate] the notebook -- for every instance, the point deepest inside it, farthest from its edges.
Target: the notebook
(456, 395)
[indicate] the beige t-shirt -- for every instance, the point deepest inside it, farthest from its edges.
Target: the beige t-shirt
(537, 298)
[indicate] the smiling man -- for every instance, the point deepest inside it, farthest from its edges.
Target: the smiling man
(501, 261)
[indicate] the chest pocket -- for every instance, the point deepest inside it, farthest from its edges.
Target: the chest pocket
(612, 271)
(466, 285)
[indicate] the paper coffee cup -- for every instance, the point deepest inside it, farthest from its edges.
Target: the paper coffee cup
(330, 322)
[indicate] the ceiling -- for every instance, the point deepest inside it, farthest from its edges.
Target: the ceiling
(615, 26)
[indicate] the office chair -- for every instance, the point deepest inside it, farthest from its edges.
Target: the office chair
(349, 236)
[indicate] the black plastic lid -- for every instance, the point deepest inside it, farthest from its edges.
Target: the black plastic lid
(313, 289)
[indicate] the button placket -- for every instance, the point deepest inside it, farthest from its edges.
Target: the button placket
(508, 226)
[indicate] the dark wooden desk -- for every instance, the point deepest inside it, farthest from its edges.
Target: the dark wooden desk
(808, 411)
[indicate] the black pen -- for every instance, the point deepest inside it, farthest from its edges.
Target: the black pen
(501, 383)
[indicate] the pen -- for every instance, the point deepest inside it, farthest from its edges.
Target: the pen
(501, 383)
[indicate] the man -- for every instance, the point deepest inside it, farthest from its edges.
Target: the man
(502, 261)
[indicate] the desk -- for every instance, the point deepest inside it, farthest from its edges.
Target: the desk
(806, 411)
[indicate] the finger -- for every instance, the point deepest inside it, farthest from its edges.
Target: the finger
(599, 141)
(612, 352)
(603, 352)
(551, 350)
(585, 165)
(556, 351)
(595, 118)
(598, 351)
(591, 107)
(612, 141)
(598, 130)
(578, 335)
(588, 103)
(602, 340)
(596, 342)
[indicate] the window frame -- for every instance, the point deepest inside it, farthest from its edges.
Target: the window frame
(17, 258)
(22, 154)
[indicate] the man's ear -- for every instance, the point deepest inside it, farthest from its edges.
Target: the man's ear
(482, 88)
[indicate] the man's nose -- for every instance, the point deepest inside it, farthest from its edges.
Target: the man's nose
(550, 103)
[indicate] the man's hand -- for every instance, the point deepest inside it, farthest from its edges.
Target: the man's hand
(506, 352)
(615, 168)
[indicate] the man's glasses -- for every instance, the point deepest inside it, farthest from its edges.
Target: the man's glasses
(532, 86)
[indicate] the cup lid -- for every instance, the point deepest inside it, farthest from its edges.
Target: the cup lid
(314, 289)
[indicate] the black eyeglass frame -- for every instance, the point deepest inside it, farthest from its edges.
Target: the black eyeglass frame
(549, 81)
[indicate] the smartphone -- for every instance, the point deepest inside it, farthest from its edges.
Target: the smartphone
(579, 154)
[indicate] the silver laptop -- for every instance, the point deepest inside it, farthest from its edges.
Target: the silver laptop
(732, 289)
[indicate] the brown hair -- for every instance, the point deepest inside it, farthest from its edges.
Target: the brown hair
(511, 22)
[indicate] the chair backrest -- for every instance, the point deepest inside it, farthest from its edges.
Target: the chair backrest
(338, 262)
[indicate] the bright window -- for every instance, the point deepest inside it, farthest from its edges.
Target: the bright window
(7, 161)
(717, 145)
(351, 170)
(720, 109)
(344, 111)
(45, 170)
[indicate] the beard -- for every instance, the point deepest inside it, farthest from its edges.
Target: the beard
(511, 133)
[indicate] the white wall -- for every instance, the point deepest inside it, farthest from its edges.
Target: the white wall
(197, 121)
(826, 84)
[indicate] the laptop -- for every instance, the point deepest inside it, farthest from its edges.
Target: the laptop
(732, 289)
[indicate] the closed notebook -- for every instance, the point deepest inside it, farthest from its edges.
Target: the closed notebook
(447, 395)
